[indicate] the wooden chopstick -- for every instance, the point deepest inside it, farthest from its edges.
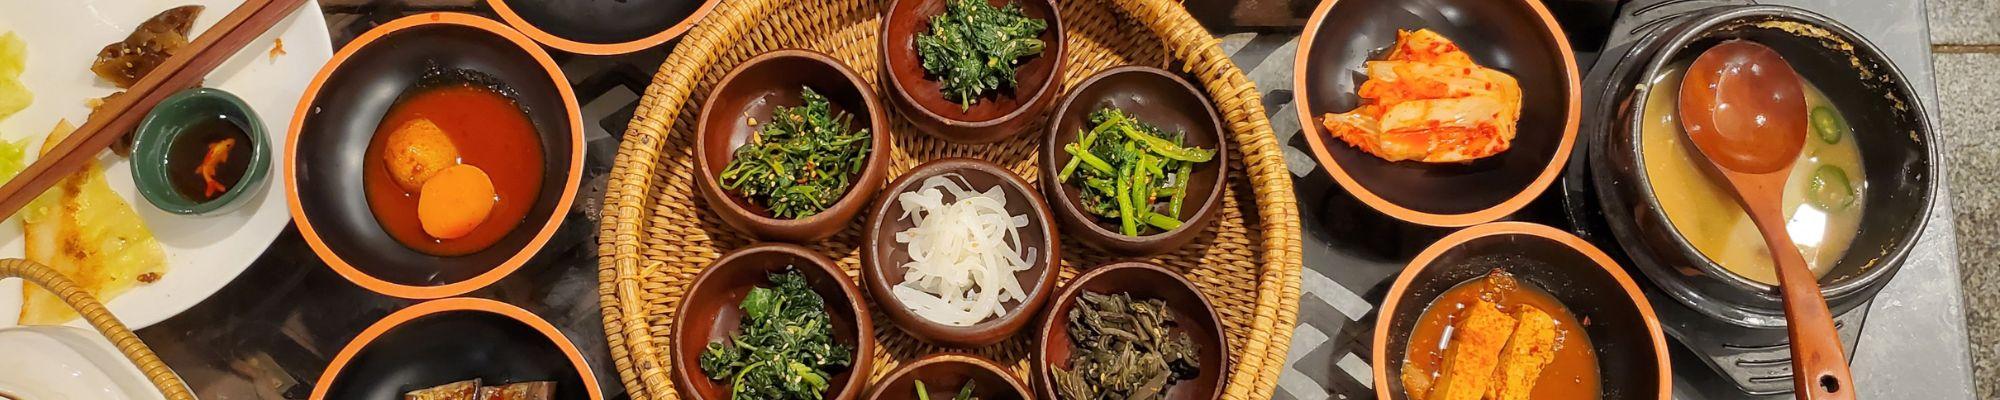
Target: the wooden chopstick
(121, 114)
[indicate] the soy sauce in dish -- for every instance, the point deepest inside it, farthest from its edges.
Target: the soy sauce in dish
(208, 158)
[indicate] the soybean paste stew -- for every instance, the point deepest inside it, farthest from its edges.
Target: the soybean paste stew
(1822, 202)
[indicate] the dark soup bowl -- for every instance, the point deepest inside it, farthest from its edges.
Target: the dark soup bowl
(1624, 335)
(324, 160)
(602, 27)
(1897, 152)
(1009, 111)
(1518, 37)
(1155, 97)
(1193, 314)
(751, 93)
(882, 257)
(945, 374)
(711, 312)
(451, 340)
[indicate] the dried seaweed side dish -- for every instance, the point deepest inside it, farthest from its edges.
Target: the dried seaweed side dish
(1124, 349)
(801, 162)
(785, 348)
(973, 48)
(1132, 172)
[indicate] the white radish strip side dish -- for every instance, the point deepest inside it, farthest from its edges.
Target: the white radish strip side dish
(964, 250)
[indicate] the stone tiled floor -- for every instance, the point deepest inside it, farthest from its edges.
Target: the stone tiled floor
(1966, 43)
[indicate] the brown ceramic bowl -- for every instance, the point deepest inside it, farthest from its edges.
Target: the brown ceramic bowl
(995, 117)
(602, 27)
(1631, 353)
(338, 114)
(755, 89)
(449, 340)
(944, 374)
(882, 258)
(1156, 97)
(1143, 281)
(710, 313)
(1518, 37)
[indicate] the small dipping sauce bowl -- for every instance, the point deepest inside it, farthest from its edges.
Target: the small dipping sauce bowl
(174, 138)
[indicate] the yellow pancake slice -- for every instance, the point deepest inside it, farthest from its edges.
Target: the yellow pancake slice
(88, 233)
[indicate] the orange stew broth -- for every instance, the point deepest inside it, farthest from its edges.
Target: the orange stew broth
(1572, 375)
(491, 132)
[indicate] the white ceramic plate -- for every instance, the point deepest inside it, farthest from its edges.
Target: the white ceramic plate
(62, 362)
(203, 253)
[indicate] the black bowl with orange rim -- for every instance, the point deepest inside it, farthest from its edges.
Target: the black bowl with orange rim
(1624, 334)
(602, 28)
(337, 118)
(1518, 37)
(450, 340)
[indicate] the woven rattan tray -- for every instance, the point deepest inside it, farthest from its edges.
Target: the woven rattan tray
(657, 234)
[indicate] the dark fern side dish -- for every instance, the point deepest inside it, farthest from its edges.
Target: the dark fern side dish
(974, 48)
(1122, 348)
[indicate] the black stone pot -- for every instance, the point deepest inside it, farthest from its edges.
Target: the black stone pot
(1897, 146)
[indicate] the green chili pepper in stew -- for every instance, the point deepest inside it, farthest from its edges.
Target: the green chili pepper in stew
(1829, 189)
(1827, 124)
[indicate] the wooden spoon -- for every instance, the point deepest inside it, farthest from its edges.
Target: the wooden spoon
(1744, 107)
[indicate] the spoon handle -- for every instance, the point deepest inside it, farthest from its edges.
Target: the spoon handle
(1819, 368)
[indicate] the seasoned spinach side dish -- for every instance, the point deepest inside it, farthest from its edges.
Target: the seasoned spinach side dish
(1132, 172)
(973, 48)
(801, 161)
(1122, 348)
(785, 347)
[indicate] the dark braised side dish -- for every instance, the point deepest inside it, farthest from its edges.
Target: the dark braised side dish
(124, 62)
(973, 48)
(1124, 349)
(785, 347)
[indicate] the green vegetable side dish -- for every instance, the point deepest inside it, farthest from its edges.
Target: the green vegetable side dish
(1132, 172)
(785, 347)
(964, 393)
(974, 48)
(800, 162)
(1827, 124)
(1122, 348)
(1830, 189)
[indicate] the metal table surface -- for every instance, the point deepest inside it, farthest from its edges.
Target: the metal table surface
(269, 334)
